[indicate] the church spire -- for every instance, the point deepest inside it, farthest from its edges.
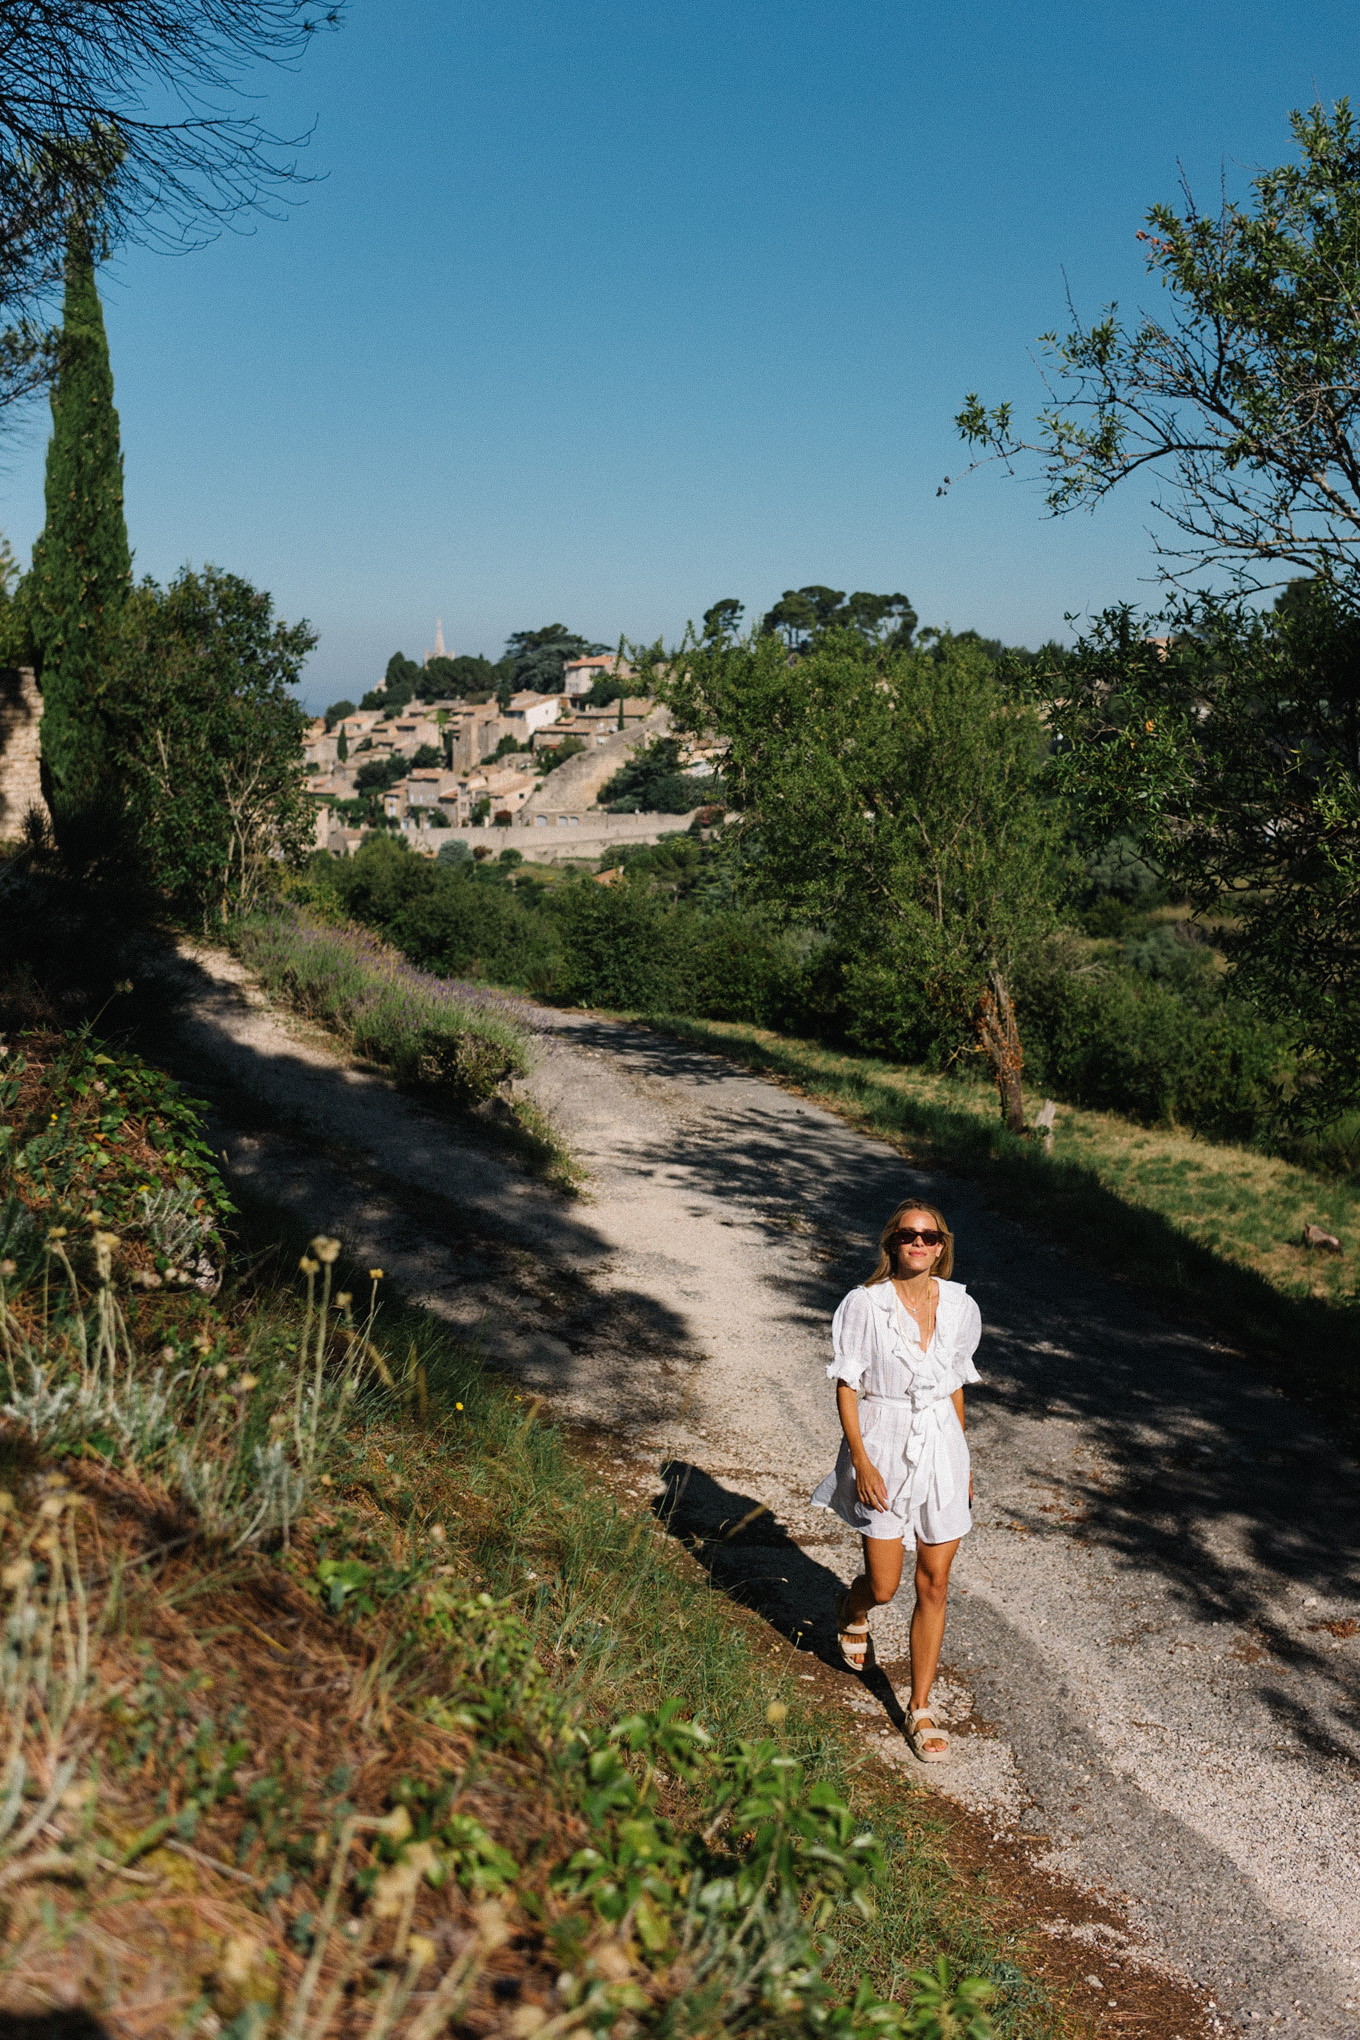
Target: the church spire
(439, 651)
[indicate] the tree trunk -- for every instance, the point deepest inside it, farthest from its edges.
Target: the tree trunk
(999, 1039)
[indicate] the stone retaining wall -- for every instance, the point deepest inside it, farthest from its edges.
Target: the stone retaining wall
(20, 779)
(548, 843)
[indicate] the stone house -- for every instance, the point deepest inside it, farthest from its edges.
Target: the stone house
(581, 674)
(471, 733)
(592, 725)
(529, 712)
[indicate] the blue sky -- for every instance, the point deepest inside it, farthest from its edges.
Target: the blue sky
(604, 310)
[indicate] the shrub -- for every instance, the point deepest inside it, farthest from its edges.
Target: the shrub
(619, 949)
(449, 920)
(430, 1034)
(207, 735)
(1121, 1041)
(653, 783)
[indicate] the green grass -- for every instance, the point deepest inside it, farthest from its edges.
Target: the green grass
(1214, 1229)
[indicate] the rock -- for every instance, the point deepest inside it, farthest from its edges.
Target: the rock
(245, 1978)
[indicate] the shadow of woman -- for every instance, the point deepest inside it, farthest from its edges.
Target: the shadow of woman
(751, 1558)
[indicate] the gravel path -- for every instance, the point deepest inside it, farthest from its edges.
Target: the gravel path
(1153, 1659)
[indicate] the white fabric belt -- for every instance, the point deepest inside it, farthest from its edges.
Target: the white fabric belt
(924, 1451)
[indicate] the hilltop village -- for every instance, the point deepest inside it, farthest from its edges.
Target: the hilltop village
(424, 766)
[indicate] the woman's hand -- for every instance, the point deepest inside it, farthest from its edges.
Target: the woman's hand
(870, 1485)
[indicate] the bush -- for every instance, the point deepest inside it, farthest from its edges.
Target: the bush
(446, 917)
(1155, 1040)
(1121, 1041)
(652, 783)
(620, 949)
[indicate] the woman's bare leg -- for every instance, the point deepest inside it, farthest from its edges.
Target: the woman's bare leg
(879, 1581)
(927, 1623)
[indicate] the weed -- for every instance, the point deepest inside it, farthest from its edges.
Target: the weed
(434, 1793)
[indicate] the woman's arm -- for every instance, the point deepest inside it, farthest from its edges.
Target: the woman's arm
(869, 1483)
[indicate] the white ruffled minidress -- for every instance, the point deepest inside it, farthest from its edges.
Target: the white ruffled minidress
(922, 1455)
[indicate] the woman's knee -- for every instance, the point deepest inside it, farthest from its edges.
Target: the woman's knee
(883, 1589)
(932, 1587)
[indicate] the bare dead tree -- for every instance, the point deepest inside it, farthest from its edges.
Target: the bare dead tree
(135, 109)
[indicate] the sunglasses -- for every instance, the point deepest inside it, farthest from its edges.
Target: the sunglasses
(926, 1234)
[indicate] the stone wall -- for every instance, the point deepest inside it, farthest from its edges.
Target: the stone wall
(20, 781)
(571, 788)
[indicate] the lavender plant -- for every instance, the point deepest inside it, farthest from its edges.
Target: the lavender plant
(433, 1032)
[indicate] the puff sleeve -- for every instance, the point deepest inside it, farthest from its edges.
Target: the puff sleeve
(852, 1339)
(959, 1368)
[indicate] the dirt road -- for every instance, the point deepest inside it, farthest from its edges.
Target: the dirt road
(1152, 1661)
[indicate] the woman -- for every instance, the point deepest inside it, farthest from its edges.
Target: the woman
(904, 1345)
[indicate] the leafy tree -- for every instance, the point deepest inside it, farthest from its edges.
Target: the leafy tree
(805, 614)
(801, 612)
(337, 712)
(723, 620)
(652, 782)
(207, 737)
(456, 852)
(883, 618)
(894, 801)
(15, 639)
(380, 773)
(401, 682)
(609, 688)
(82, 567)
(1227, 745)
(557, 754)
(402, 672)
(467, 674)
(537, 657)
(1245, 397)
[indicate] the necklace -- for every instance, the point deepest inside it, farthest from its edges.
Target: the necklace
(924, 1319)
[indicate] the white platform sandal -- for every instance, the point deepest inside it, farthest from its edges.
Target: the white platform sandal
(852, 1639)
(918, 1737)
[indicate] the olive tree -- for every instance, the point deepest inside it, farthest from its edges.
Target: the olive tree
(892, 797)
(1242, 398)
(1227, 742)
(207, 737)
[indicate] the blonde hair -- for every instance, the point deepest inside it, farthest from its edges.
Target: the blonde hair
(944, 1266)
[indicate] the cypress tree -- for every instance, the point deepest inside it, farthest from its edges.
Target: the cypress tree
(82, 567)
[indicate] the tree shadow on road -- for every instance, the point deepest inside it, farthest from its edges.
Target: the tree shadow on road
(1103, 1421)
